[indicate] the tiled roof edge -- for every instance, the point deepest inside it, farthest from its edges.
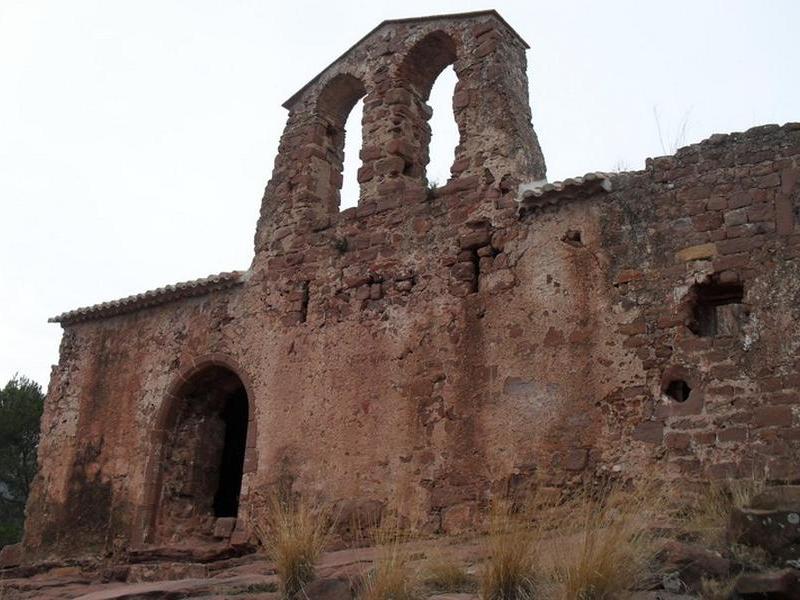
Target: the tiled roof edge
(548, 194)
(162, 295)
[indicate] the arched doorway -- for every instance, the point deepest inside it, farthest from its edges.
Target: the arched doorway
(201, 458)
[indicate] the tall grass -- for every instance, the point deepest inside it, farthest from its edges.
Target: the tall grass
(293, 535)
(444, 573)
(392, 577)
(605, 548)
(711, 511)
(509, 572)
(717, 589)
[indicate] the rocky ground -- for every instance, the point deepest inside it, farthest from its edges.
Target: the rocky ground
(759, 559)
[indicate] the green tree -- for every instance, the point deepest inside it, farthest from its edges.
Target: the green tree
(21, 403)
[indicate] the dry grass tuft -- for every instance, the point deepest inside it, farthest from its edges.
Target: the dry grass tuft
(717, 589)
(750, 558)
(444, 573)
(293, 535)
(607, 546)
(711, 512)
(510, 569)
(392, 577)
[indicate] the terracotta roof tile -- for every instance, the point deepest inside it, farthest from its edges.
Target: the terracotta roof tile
(552, 193)
(162, 295)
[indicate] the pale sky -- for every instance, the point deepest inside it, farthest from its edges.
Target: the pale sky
(136, 137)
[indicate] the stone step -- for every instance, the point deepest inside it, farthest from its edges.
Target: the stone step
(775, 585)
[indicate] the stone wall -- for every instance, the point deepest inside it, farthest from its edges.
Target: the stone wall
(429, 350)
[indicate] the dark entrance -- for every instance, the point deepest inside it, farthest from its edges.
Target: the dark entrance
(203, 455)
(234, 414)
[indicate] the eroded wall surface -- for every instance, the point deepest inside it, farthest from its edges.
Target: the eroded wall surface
(429, 350)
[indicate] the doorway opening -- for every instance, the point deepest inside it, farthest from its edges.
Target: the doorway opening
(203, 455)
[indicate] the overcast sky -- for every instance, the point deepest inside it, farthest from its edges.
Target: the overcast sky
(136, 137)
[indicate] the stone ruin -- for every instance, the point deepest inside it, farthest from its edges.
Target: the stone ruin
(433, 348)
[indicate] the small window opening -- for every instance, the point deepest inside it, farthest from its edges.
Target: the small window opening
(304, 301)
(573, 238)
(444, 130)
(717, 309)
(678, 390)
(352, 145)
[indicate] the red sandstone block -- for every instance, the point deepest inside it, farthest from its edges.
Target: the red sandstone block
(785, 469)
(398, 96)
(461, 100)
(705, 438)
(365, 173)
(370, 153)
(733, 246)
(695, 207)
(784, 214)
(789, 178)
(486, 48)
(459, 185)
(707, 221)
(782, 398)
(475, 239)
(482, 28)
(677, 441)
(401, 147)
(687, 466)
(576, 459)
(773, 416)
(768, 181)
(460, 289)
(650, 432)
(717, 203)
(669, 321)
(390, 165)
(506, 202)
(460, 165)
(732, 434)
(760, 212)
(627, 275)
(734, 261)
(736, 217)
(634, 327)
(740, 199)
(463, 271)
(700, 192)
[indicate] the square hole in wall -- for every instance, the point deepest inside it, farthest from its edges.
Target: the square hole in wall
(717, 309)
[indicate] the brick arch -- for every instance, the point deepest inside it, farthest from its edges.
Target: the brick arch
(426, 60)
(165, 421)
(338, 97)
(416, 74)
(334, 103)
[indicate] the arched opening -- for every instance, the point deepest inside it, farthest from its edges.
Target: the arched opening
(334, 105)
(352, 146)
(444, 129)
(202, 456)
(427, 71)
